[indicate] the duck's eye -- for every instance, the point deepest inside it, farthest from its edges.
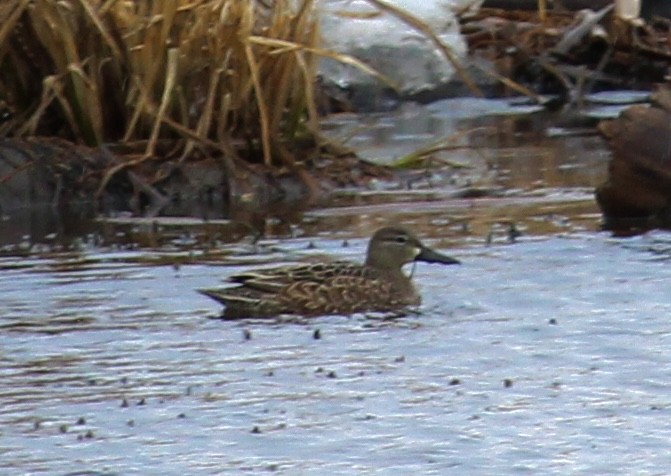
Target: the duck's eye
(401, 239)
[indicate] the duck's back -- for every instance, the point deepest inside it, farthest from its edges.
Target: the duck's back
(338, 287)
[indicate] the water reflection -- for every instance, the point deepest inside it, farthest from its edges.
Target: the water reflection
(497, 169)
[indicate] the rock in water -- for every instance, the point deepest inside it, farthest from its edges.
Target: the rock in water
(639, 176)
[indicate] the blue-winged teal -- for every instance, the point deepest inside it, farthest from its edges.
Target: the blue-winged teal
(338, 287)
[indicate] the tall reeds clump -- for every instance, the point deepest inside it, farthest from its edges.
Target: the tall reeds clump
(174, 76)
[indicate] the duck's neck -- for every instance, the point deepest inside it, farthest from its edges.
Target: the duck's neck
(403, 286)
(401, 282)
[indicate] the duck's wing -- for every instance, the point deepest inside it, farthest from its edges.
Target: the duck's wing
(274, 280)
(341, 294)
(305, 289)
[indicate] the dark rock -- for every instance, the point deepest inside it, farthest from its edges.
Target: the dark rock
(639, 176)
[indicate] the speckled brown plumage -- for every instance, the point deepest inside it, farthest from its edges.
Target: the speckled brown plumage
(337, 287)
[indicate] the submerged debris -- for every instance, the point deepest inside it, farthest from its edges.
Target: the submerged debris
(62, 174)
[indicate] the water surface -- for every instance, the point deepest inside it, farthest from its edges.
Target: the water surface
(548, 351)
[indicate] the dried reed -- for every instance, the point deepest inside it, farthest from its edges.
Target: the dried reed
(199, 72)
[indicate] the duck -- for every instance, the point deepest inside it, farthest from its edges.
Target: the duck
(333, 287)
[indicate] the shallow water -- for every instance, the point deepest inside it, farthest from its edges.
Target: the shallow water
(545, 353)
(547, 356)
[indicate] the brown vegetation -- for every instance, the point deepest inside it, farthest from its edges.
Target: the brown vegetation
(154, 87)
(163, 77)
(571, 54)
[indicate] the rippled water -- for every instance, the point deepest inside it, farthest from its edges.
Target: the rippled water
(548, 356)
(549, 353)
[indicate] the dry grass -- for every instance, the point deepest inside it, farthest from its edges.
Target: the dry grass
(171, 79)
(196, 73)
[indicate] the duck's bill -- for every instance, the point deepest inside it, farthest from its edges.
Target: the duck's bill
(429, 256)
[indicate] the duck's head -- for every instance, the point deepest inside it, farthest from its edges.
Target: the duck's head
(392, 247)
